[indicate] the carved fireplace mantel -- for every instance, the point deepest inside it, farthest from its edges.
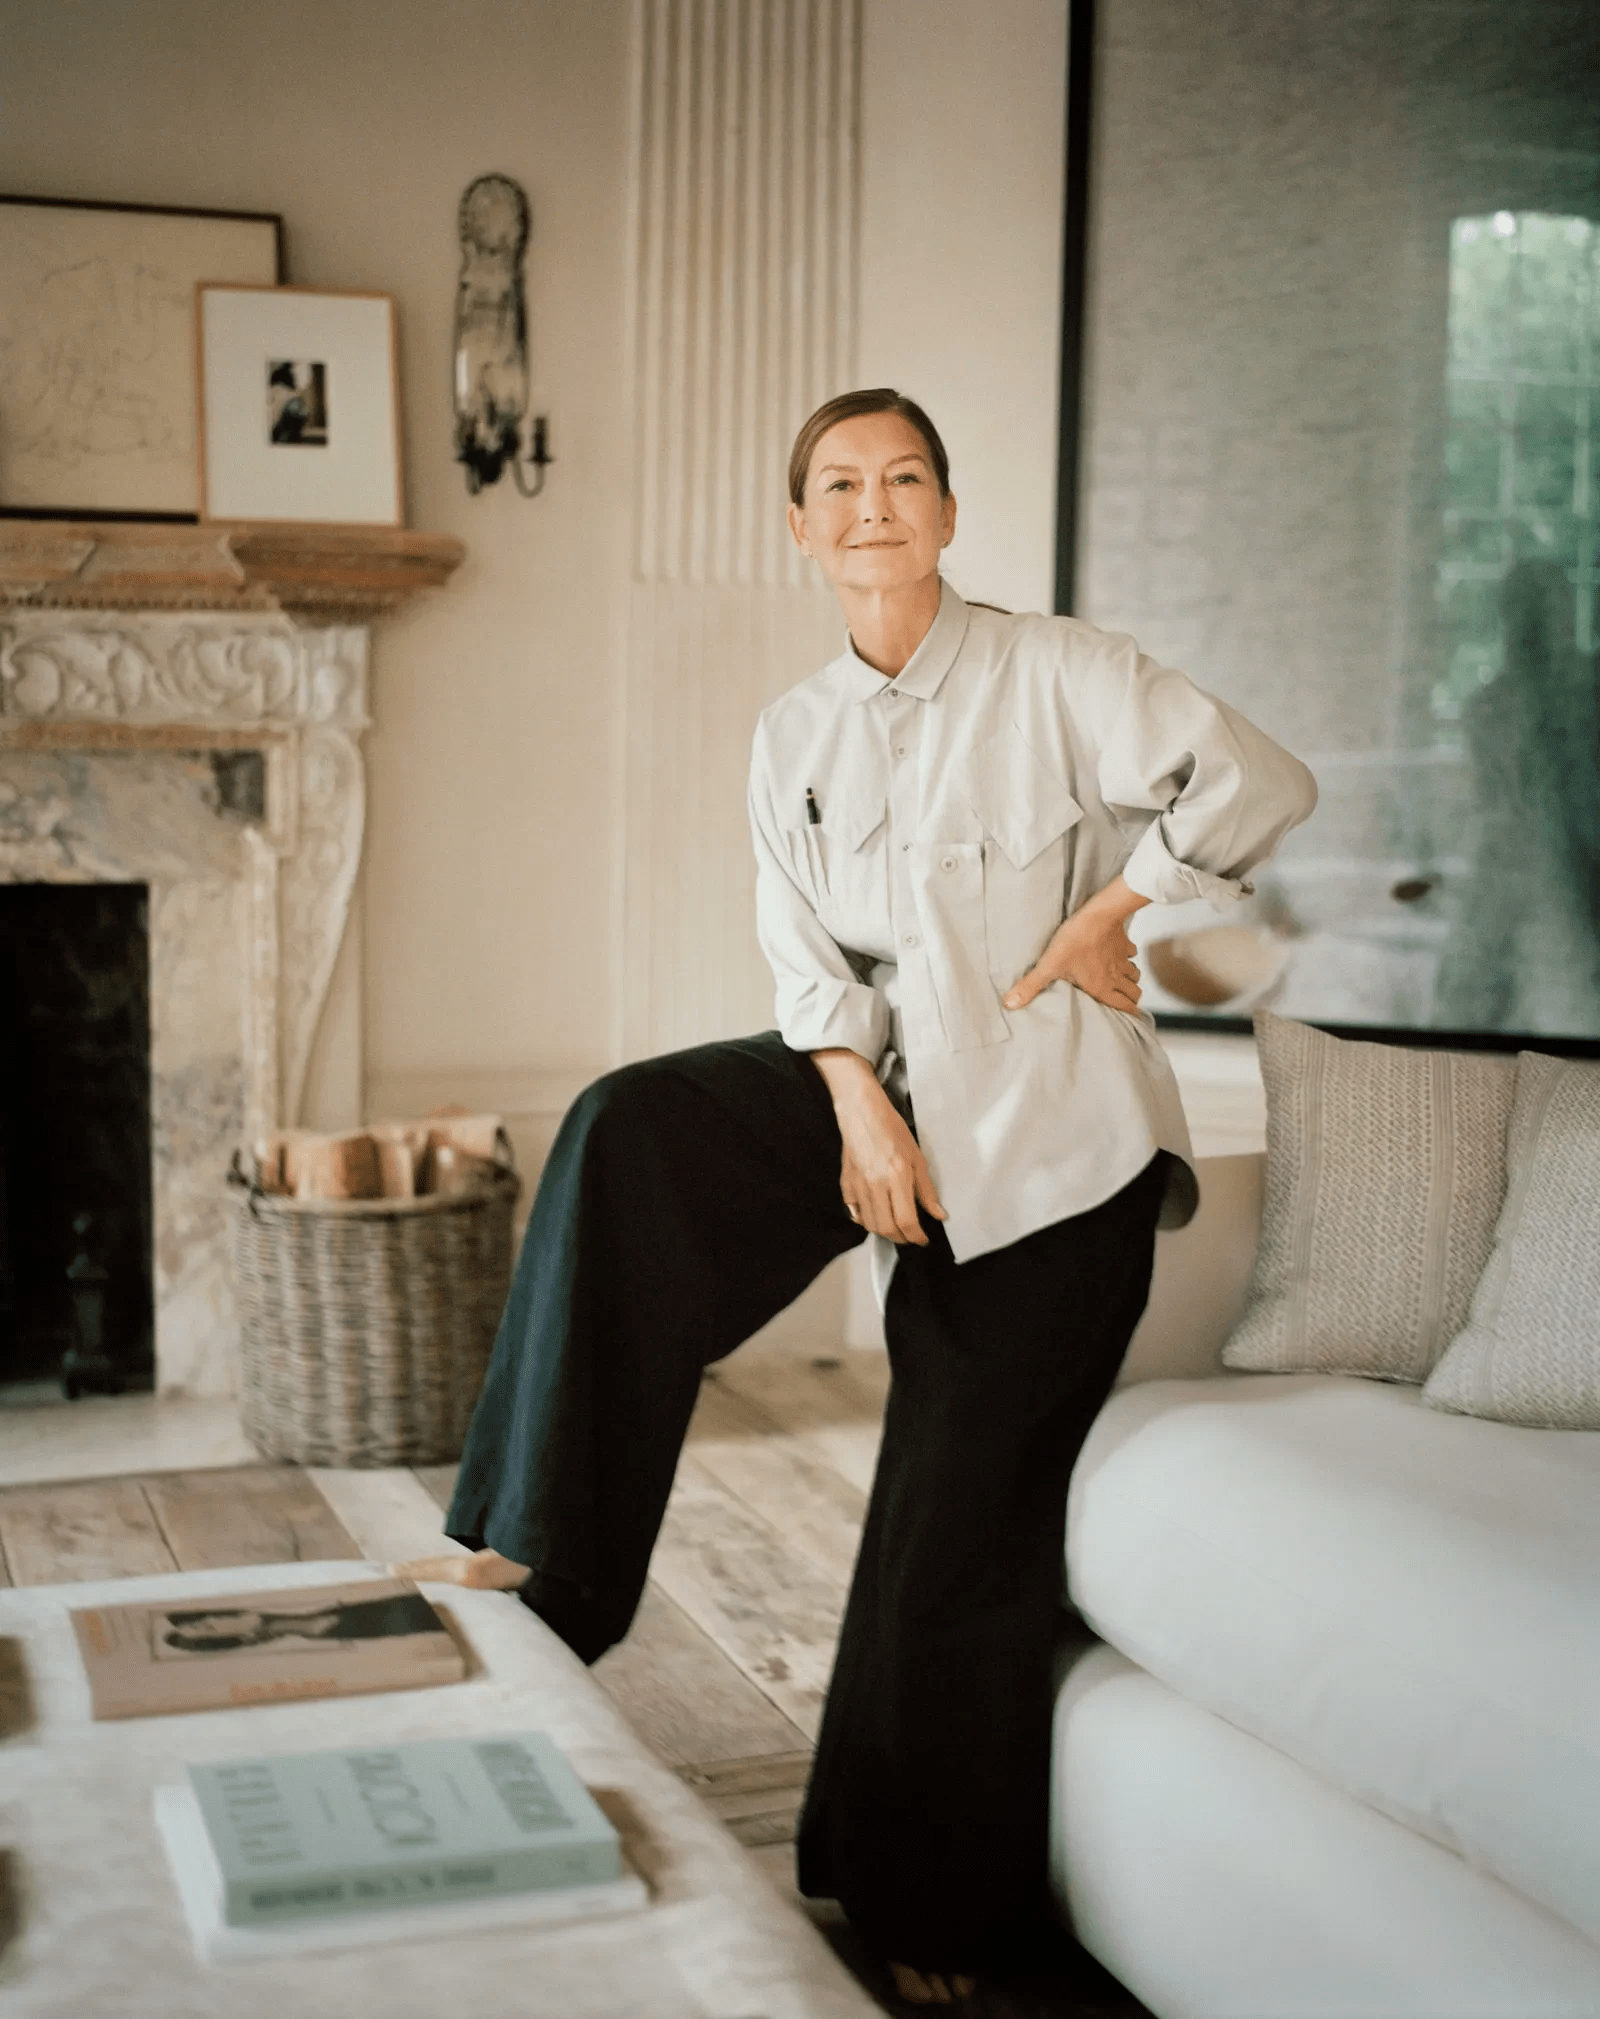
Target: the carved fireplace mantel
(319, 574)
(131, 680)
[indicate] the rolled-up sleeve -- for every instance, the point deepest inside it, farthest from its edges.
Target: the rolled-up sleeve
(821, 1001)
(1223, 793)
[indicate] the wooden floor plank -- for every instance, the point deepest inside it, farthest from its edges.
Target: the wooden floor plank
(831, 1404)
(69, 1534)
(758, 1800)
(756, 1804)
(759, 1599)
(684, 1697)
(780, 1772)
(440, 1480)
(807, 1390)
(776, 1826)
(254, 1514)
(780, 1478)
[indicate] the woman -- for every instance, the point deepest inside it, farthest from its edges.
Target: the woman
(952, 823)
(220, 1630)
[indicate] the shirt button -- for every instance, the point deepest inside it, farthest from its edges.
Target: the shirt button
(947, 862)
(899, 750)
(905, 848)
(909, 940)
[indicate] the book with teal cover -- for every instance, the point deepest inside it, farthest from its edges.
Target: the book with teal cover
(354, 1829)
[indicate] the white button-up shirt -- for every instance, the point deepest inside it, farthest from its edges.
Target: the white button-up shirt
(964, 808)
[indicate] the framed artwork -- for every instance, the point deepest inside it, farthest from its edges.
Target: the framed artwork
(1362, 506)
(299, 415)
(97, 413)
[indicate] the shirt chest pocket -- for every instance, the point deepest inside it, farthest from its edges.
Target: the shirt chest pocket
(842, 867)
(1027, 816)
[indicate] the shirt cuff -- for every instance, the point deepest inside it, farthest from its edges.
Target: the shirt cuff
(1153, 871)
(821, 1013)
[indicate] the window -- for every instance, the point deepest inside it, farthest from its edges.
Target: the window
(1521, 441)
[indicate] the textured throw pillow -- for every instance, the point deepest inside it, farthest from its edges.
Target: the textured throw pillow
(1531, 1349)
(1386, 1170)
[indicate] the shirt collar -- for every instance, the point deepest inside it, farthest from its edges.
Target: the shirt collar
(923, 673)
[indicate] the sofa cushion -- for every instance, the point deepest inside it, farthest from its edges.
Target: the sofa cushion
(1220, 1880)
(1385, 1175)
(1531, 1349)
(1407, 1602)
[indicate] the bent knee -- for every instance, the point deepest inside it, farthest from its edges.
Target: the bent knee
(626, 1096)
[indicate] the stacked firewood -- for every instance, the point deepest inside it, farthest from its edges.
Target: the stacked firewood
(448, 1151)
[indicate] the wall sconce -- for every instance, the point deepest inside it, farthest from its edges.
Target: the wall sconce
(491, 340)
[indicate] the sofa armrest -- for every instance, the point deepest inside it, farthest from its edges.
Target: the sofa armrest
(1202, 1274)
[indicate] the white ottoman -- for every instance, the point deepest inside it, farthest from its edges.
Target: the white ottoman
(103, 1936)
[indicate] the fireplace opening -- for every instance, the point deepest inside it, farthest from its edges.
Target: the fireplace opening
(76, 1289)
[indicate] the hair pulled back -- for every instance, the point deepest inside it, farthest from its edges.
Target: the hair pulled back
(848, 407)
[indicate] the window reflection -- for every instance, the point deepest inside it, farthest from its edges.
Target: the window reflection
(1524, 375)
(1516, 592)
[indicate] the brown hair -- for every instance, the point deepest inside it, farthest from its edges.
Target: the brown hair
(847, 407)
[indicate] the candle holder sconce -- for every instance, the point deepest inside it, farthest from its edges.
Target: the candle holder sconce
(491, 340)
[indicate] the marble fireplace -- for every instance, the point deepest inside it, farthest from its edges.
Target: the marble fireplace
(214, 756)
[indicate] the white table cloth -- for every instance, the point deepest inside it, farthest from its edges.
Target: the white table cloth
(103, 1935)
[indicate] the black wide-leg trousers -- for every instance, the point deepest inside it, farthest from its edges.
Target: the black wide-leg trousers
(685, 1202)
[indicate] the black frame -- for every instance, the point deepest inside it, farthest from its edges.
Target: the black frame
(280, 262)
(1074, 294)
(1412, 1035)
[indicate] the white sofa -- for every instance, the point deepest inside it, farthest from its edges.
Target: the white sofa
(1336, 1750)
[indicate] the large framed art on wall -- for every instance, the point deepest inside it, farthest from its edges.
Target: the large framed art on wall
(97, 401)
(1340, 461)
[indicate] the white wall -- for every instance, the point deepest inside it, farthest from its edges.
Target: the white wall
(961, 186)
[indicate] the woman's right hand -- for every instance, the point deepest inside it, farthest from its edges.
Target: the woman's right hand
(883, 1174)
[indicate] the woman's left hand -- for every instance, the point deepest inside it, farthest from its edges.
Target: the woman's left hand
(1092, 950)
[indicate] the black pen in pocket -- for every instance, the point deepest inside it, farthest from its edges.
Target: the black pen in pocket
(813, 816)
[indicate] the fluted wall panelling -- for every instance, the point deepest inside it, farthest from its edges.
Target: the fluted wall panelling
(705, 661)
(743, 267)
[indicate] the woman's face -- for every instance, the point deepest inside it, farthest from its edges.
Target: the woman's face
(873, 518)
(230, 1625)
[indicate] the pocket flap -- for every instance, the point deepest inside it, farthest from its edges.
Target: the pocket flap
(854, 820)
(1019, 799)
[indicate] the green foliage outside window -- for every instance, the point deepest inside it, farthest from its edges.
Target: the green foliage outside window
(1523, 432)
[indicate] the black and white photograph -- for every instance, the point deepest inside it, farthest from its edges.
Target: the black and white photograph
(183, 1635)
(297, 404)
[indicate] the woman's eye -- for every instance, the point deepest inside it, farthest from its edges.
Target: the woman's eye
(908, 477)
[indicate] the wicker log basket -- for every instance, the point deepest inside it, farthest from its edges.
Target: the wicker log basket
(366, 1324)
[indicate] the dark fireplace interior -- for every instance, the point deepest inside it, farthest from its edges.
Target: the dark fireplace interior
(76, 1292)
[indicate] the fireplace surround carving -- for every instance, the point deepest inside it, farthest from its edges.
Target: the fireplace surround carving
(107, 719)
